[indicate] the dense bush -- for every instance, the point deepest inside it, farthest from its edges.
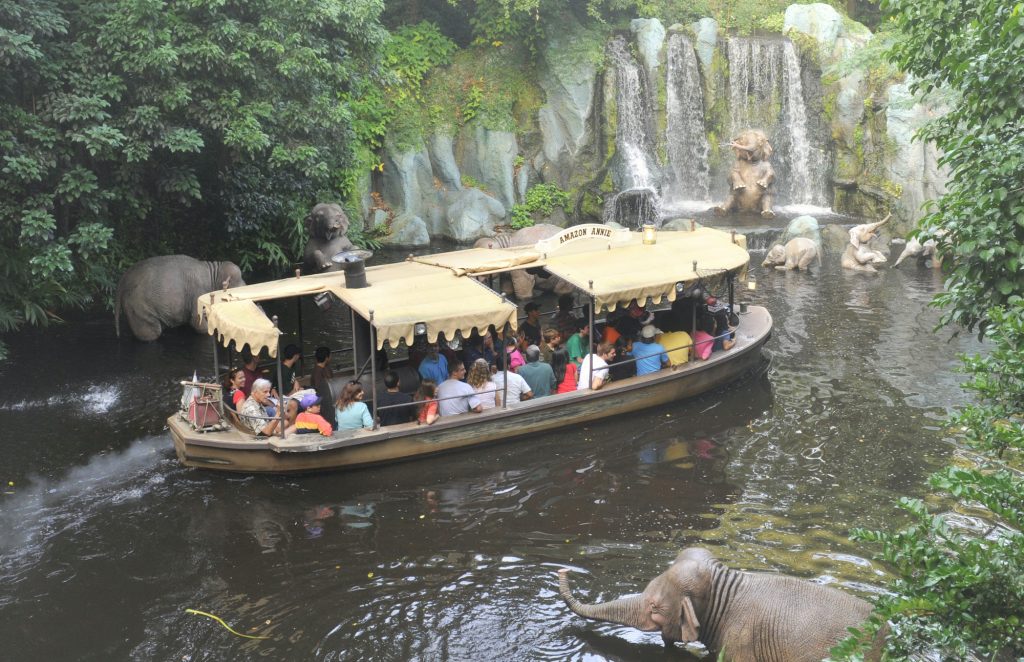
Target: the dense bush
(541, 200)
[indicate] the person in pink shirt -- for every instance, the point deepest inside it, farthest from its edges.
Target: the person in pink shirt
(515, 357)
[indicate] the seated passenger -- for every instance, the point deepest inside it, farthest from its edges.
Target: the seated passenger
(351, 412)
(479, 378)
(309, 420)
(594, 371)
(622, 366)
(564, 370)
(434, 365)
(254, 410)
(578, 344)
(232, 389)
(387, 413)
(719, 311)
(322, 370)
(455, 396)
(538, 375)
(518, 390)
(251, 370)
(703, 338)
(552, 341)
(677, 345)
(650, 356)
(426, 396)
(479, 347)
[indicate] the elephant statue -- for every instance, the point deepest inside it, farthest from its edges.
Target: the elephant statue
(160, 293)
(798, 253)
(328, 225)
(922, 251)
(858, 255)
(523, 281)
(751, 176)
(751, 617)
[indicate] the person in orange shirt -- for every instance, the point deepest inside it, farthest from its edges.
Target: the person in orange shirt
(309, 421)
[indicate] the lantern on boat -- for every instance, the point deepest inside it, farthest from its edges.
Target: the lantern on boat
(650, 234)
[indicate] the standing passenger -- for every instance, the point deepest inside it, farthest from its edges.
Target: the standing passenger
(518, 390)
(434, 365)
(322, 370)
(531, 326)
(539, 376)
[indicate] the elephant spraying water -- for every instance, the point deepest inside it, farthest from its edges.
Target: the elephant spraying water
(751, 617)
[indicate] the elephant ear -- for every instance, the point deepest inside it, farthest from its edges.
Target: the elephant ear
(690, 624)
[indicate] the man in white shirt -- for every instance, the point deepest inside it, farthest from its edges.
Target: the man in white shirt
(598, 361)
(518, 389)
(455, 396)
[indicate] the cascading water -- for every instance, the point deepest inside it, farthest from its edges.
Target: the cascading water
(766, 92)
(636, 173)
(685, 138)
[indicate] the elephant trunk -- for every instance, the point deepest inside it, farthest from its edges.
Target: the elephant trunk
(624, 611)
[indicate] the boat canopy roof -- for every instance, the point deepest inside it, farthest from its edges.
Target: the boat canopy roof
(440, 290)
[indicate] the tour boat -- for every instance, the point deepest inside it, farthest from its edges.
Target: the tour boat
(395, 306)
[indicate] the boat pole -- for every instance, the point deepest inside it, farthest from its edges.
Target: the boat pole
(355, 361)
(504, 363)
(373, 367)
(280, 378)
(731, 295)
(590, 337)
(298, 310)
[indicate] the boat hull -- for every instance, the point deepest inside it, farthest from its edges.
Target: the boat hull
(235, 451)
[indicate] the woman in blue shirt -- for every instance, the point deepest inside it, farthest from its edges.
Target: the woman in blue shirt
(350, 410)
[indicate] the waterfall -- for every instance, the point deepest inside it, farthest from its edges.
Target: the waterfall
(766, 92)
(685, 139)
(636, 171)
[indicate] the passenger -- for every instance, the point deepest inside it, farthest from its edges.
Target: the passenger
(232, 391)
(531, 325)
(719, 311)
(434, 365)
(622, 366)
(291, 411)
(252, 372)
(426, 395)
(322, 370)
(538, 376)
(387, 412)
(564, 370)
(650, 355)
(518, 389)
(480, 379)
(552, 341)
(599, 361)
(479, 347)
(309, 420)
(677, 346)
(254, 410)
(515, 357)
(703, 340)
(290, 358)
(351, 412)
(455, 396)
(565, 320)
(578, 344)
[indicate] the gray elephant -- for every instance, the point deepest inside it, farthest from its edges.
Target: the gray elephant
(859, 256)
(751, 617)
(523, 282)
(327, 224)
(798, 253)
(160, 293)
(751, 176)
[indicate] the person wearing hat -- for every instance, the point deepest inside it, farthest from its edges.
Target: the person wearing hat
(539, 376)
(650, 356)
(309, 420)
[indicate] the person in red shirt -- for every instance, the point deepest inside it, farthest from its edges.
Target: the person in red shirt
(309, 420)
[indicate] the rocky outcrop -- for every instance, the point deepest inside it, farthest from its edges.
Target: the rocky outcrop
(706, 31)
(472, 214)
(489, 157)
(913, 164)
(649, 34)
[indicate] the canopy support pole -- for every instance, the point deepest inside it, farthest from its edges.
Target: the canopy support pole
(373, 368)
(504, 364)
(216, 364)
(280, 378)
(298, 307)
(590, 338)
(730, 292)
(355, 361)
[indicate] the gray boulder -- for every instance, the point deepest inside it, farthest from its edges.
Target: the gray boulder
(650, 40)
(914, 164)
(408, 182)
(818, 20)
(472, 214)
(802, 226)
(489, 157)
(442, 158)
(706, 30)
(408, 230)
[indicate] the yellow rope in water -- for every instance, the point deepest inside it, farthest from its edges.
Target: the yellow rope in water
(221, 621)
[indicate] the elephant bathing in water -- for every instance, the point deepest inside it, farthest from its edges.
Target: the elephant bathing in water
(160, 293)
(328, 227)
(859, 256)
(751, 176)
(798, 253)
(750, 617)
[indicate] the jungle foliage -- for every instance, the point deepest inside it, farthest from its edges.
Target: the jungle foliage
(960, 590)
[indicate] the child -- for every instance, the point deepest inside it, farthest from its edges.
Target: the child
(515, 357)
(427, 410)
(309, 421)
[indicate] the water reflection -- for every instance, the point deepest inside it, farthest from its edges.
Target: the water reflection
(455, 557)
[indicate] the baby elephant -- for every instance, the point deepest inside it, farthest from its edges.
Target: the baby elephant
(798, 253)
(751, 617)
